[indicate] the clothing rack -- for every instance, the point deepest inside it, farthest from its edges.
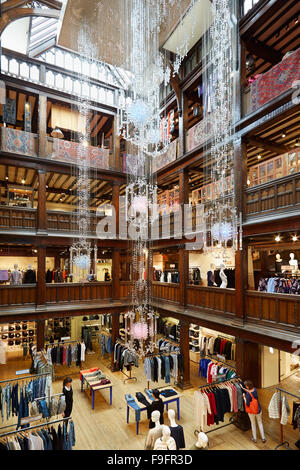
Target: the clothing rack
(196, 432)
(129, 377)
(158, 354)
(24, 378)
(64, 342)
(283, 443)
(221, 362)
(36, 427)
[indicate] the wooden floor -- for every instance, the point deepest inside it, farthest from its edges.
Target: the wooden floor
(105, 427)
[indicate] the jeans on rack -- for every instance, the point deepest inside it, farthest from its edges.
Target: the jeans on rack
(14, 400)
(167, 371)
(132, 403)
(8, 401)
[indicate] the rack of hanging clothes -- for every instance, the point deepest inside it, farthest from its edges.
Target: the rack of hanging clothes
(105, 342)
(284, 284)
(167, 276)
(212, 402)
(279, 409)
(16, 395)
(195, 276)
(41, 437)
(40, 363)
(215, 371)
(164, 366)
(123, 357)
(65, 352)
(213, 345)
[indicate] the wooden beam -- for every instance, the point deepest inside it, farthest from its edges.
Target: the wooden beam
(263, 51)
(258, 142)
(17, 13)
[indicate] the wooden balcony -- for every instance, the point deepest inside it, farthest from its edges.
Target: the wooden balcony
(280, 310)
(125, 289)
(19, 142)
(276, 196)
(17, 295)
(17, 218)
(219, 301)
(165, 291)
(78, 292)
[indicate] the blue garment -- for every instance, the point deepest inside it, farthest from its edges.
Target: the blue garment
(21, 408)
(48, 440)
(133, 404)
(109, 347)
(43, 408)
(149, 394)
(14, 400)
(8, 401)
(30, 391)
(249, 399)
(72, 432)
(203, 364)
(167, 370)
(271, 284)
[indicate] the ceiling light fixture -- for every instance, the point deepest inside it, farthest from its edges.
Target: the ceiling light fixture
(23, 181)
(283, 134)
(259, 157)
(297, 142)
(277, 238)
(294, 238)
(57, 133)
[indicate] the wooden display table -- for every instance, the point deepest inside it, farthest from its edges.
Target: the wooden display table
(89, 382)
(166, 401)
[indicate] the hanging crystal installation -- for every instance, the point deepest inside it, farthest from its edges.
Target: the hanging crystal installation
(222, 224)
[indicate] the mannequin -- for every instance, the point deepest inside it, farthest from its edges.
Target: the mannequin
(210, 276)
(30, 276)
(16, 276)
(202, 442)
(166, 442)
(155, 432)
(223, 277)
(278, 263)
(3, 347)
(176, 431)
(293, 262)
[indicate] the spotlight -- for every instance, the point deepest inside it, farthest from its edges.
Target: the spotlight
(6, 177)
(294, 238)
(296, 20)
(23, 181)
(259, 157)
(248, 182)
(277, 238)
(271, 350)
(283, 134)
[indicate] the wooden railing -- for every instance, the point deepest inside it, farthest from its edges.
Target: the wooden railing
(125, 289)
(281, 309)
(17, 217)
(283, 193)
(165, 291)
(66, 222)
(78, 292)
(213, 298)
(17, 295)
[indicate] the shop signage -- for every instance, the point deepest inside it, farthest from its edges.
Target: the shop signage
(31, 419)
(66, 338)
(20, 372)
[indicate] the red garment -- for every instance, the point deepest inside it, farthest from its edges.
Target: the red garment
(212, 402)
(222, 346)
(64, 356)
(209, 375)
(87, 371)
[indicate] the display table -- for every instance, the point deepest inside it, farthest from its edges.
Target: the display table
(89, 381)
(167, 401)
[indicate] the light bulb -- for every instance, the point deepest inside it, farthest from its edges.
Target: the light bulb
(271, 350)
(277, 238)
(259, 157)
(294, 238)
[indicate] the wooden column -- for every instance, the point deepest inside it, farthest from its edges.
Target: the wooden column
(241, 256)
(42, 197)
(183, 193)
(116, 204)
(183, 268)
(116, 274)
(40, 334)
(115, 324)
(116, 146)
(183, 122)
(42, 125)
(41, 276)
(248, 361)
(184, 379)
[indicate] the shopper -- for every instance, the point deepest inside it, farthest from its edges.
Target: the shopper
(68, 393)
(253, 408)
(158, 405)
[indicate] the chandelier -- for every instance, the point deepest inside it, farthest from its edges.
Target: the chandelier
(222, 223)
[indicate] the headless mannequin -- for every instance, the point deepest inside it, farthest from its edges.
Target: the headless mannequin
(223, 277)
(202, 442)
(210, 276)
(293, 262)
(16, 276)
(155, 432)
(166, 442)
(176, 431)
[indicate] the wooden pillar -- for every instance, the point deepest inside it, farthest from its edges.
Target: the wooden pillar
(116, 146)
(248, 361)
(184, 379)
(57, 261)
(183, 193)
(116, 205)
(42, 197)
(42, 125)
(241, 256)
(115, 324)
(41, 276)
(116, 274)
(183, 122)
(40, 334)
(183, 268)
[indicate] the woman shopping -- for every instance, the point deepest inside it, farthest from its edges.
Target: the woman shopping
(253, 408)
